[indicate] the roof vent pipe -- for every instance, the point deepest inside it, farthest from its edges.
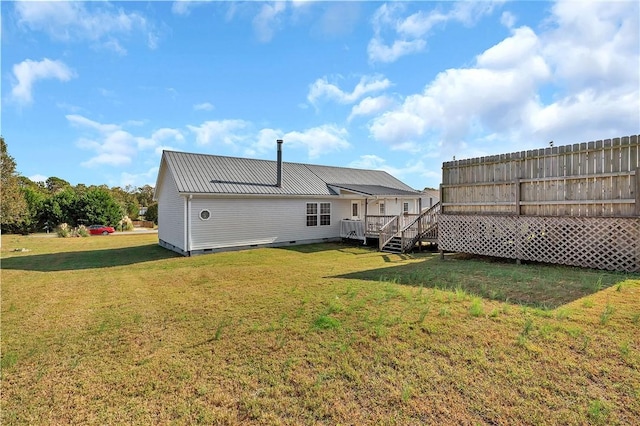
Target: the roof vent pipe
(279, 184)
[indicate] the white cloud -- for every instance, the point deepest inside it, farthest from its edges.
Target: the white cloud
(228, 132)
(321, 88)
(319, 140)
(38, 178)
(371, 106)
(595, 44)
(268, 20)
(380, 52)
(159, 137)
(369, 161)
(568, 83)
(184, 7)
(139, 179)
(495, 93)
(409, 34)
(113, 145)
(241, 136)
(508, 19)
(411, 167)
(80, 121)
(97, 22)
(28, 72)
(205, 106)
(265, 141)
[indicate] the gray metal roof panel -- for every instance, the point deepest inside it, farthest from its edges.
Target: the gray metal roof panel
(214, 174)
(376, 190)
(345, 175)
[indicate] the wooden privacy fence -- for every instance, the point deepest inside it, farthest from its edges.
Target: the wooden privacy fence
(576, 204)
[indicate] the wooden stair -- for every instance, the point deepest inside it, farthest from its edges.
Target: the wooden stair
(393, 246)
(394, 239)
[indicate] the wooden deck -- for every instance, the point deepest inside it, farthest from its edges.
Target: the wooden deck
(396, 234)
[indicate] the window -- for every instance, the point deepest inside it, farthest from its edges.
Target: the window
(382, 213)
(313, 214)
(405, 207)
(325, 214)
(205, 214)
(354, 209)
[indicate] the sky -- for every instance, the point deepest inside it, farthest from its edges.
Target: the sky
(93, 92)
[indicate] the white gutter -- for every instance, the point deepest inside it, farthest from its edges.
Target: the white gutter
(187, 225)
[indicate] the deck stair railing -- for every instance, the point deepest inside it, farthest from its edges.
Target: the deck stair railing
(396, 238)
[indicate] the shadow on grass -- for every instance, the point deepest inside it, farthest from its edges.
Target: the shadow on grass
(344, 247)
(75, 260)
(536, 285)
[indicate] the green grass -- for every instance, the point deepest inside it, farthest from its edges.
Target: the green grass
(113, 330)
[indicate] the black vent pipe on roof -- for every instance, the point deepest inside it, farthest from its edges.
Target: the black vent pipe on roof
(279, 184)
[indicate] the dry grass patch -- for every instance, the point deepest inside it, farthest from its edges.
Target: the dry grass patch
(117, 330)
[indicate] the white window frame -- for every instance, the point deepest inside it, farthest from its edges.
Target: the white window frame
(318, 215)
(313, 215)
(326, 215)
(405, 207)
(208, 214)
(382, 208)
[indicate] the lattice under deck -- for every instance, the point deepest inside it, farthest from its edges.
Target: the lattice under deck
(591, 242)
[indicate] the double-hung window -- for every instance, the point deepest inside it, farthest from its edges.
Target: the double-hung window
(317, 216)
(325, 214)
(312, 214)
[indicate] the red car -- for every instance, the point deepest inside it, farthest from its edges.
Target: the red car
(101, 230)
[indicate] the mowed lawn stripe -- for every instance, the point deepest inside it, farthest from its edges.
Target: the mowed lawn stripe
(118, 330)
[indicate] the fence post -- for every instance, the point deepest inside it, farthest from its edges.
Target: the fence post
(518, 195)
(637, 192)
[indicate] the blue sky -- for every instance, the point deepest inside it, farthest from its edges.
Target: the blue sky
(93, 92)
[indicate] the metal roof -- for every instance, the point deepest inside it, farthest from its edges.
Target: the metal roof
(215, 174)
(375, 190)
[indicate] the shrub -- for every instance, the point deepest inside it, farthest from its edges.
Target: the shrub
(82, 231)
(125, 224)
(63, 230)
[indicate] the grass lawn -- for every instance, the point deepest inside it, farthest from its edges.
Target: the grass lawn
(111, 330)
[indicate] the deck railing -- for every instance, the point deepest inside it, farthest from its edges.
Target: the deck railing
(388, 231)
(424, 226)
(373, 223)
(411, 228)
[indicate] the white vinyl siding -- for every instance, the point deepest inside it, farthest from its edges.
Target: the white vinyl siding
(246, 221)
(171, 212)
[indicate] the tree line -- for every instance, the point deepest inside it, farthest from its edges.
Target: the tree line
(27, 206)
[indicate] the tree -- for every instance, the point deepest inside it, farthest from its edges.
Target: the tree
(145, 195)
(127, 200)
(60, 207)
(152, 213)
(55, 184)
(35, 194)
(13, 207)
(97, 206)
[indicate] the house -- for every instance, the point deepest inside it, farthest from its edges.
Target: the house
(209, 203)
(429, 197)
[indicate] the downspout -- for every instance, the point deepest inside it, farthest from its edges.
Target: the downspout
(189, 223)
(420, 222)
(366, 205)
